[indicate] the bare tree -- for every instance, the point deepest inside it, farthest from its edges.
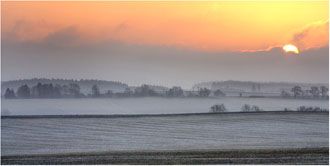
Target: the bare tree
(9, 94)
(297, 91)
(246, 108)
(218, 108)
(218, 93)
(285, 94)
(324, 91)
(96, 91)
(315, 91)
(204, 92)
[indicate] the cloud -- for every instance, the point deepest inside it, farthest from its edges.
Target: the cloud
(63, 37)
(26, 30)
(313, 35)
(14, 33)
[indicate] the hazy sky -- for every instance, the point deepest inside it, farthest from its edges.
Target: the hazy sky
(166, 43)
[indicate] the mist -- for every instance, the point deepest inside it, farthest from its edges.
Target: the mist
(137, 64)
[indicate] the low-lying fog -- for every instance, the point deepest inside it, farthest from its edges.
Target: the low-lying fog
(146, 105)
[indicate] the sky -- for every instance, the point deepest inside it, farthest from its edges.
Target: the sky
(166, 43)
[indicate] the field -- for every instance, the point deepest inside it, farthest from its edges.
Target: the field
(283, 156)
(302, 137)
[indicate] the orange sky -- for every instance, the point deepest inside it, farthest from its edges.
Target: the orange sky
(206, 26)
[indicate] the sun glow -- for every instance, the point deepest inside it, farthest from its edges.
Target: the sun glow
(212, 26)
(291, 48)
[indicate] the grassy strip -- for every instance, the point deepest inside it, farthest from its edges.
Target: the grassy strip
(256, 156)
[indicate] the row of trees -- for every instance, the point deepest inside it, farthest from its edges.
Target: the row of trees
(73, 91)
(44, 91)
(148, 91)
(313, 92)
(245, 108)
(311, 109)
(248, 108)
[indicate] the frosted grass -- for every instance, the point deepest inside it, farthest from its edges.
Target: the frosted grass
(210, 131)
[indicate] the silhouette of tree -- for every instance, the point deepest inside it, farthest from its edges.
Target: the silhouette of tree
(23, 91)
(109, 93)
(218, 93)
(9, 94)
(64, 90)
(204, 92)
(74, 90)
(45, 91)
(255, 108)
(324, 91)
(144, 90)
(297, 91)
(246, 108)
(218, 108)
(315, 91)
(175, 91)
(285, 94)
(57, 90)
(96, 91)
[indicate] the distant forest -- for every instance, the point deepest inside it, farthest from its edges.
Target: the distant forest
(63, 88)
(72, 90)
(84, 84)
(250, 86)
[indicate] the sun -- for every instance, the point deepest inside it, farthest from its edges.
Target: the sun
(291, 48)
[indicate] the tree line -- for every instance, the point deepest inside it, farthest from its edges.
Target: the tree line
(218, 108)
(44, 91)
(73, 90)
(315, 92)
(245, 108)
